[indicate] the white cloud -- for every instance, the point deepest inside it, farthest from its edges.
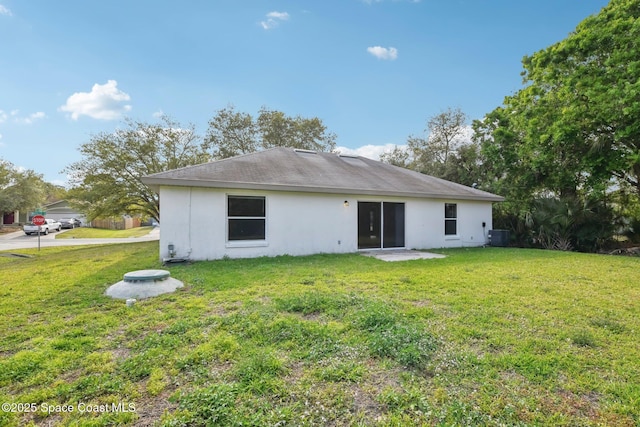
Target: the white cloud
(273, 19)
(5, 11)
(30, 118)
(15, 117)
(105, 102)
(369, 151)
(465, 135)
(390, 53)
(284, 16)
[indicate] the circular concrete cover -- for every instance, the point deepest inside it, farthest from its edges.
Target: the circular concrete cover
(144, 275)
(144, 284)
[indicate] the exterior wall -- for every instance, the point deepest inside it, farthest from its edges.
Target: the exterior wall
(194, 221)
(425, 224)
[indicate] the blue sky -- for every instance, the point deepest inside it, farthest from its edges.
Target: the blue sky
(374, 71)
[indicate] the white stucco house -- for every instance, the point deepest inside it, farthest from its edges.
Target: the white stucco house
(298, 202)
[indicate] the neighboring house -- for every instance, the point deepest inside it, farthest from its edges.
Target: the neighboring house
(297, 202)
(56, 210)
(9, 218)
(61, 209)
(15, 217)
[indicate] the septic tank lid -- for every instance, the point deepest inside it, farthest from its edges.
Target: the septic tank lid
(146, 275)
(144, 284)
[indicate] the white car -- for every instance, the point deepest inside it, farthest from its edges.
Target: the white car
(49, 225)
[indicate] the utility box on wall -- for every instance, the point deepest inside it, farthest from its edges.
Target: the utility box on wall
(499, 238)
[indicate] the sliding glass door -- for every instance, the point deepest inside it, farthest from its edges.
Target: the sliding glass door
(369, 225)
(380, 225)
(393, 225)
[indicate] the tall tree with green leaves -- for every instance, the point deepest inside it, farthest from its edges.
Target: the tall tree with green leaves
(576, 119)
(445, 132)
(54, 192)
(232, 133)
(398, 156)
(107, 181)
(447, 151)
(431, 154)
(593, 79)
(279, 130)
(572, 133)
(19, 189)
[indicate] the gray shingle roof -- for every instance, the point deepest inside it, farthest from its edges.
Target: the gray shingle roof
(286, 169)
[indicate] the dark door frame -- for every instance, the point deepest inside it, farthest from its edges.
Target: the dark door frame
(381, 225)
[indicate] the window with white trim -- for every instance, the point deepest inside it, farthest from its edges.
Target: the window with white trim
(450, 219)
(246, 218)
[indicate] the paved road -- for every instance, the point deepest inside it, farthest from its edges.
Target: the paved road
(19, 240)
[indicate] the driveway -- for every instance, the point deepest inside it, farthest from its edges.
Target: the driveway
(19, 240)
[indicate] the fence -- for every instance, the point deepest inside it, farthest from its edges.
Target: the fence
(116, 224)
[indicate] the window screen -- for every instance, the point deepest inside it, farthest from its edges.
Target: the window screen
(246, 218)
(450, 219)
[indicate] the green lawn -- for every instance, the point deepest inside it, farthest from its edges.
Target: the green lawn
(98, 233)
(483, 337)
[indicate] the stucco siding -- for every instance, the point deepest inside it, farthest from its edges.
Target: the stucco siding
(194, 221)
(425, 222)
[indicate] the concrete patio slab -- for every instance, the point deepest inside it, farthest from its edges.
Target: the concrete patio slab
(401, 255)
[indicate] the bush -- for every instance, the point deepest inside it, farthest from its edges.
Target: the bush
(560, 223)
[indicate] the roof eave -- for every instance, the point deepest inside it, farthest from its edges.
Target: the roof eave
(156, 183)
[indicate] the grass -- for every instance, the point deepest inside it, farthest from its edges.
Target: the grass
(98, 233)
(483, 337)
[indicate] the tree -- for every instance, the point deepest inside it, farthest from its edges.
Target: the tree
(445, 130)
(278, 130)
(54, 193)
(445, 135)
(571, 134)
(466, 166)
(398, 156)
(19, 189)
(446, 152)
(425, 157)
(576, 117)
(507, 172)
(107, 181)
(232, 133)
(594, 77)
